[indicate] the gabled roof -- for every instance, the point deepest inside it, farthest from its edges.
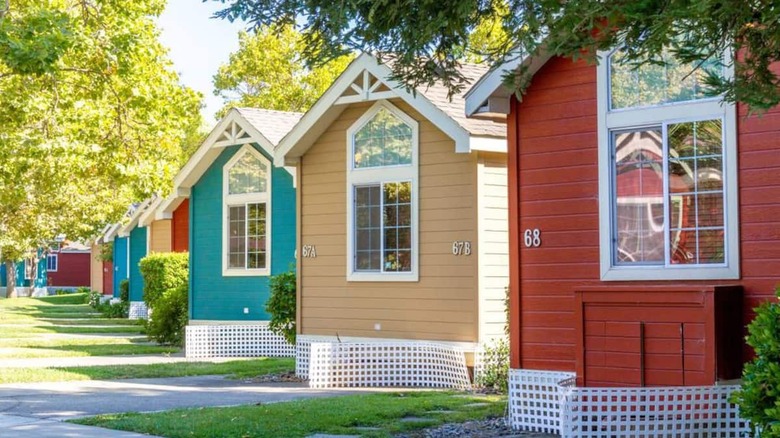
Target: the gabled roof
(365, 79)
(489, 97)
(148, 216)
(240, 126)
(134, 217)
(112, 230)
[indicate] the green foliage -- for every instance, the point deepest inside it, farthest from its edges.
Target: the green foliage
(163, 272)
(169, 317)
(281, 305)
(115, 310)
(268, 72)
(759, 397)
(495, 361)
(106, 253)
(427, 38)
(124, 290)
(93, 116)
(94, 299)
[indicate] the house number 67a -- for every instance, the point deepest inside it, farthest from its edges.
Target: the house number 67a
(532, 238)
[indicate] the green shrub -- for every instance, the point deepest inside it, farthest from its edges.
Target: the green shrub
(83, 290)
(168, 319)
(281, 305)
(759, 397)
(124, 290)
(94, 299)
(495, 362)
(116, 310)
(163, 272)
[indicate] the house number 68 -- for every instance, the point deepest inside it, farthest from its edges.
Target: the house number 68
(532, 238)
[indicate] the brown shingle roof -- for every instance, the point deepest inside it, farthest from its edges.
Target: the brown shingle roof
(274, 125)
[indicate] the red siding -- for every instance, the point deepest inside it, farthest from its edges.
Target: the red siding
(180, 227)
(72, 270)
(108, 278)
(553, 142)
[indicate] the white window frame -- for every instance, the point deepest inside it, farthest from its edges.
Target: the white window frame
(56, 262)
(28, 264)
(656, 116)
(382, 175)
(229, 200)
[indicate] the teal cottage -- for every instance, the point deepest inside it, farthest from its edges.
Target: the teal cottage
(27, 283)
(120, 252)
(242, 231)
(137, 245)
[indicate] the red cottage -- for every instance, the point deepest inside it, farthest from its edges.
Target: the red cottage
(68, 267)
(644, 219)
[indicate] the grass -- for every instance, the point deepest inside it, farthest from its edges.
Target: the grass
(237, 369)
(11, 332)
(86, 350)
(339, 415)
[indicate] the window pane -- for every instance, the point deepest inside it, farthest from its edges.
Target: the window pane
(384, 141)
(256, 237)
(237, 236)
(248, 175)
(696, 182)
(639, 197)
(661, 82)
(368, 228)
(397, 227)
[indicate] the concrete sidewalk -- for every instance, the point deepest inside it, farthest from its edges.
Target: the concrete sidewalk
(25, 427)
(89, 361)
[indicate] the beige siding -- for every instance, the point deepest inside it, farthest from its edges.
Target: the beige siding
(442, 305)
(95, 269)
(160, 239)
(493, 244)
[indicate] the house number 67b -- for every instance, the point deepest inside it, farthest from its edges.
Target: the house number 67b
(532, 238)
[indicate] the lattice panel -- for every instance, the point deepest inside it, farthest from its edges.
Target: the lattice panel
(679, 412)
(409, 364)
(138, 310)
(251, 340)
(535, 399)
(302, 354)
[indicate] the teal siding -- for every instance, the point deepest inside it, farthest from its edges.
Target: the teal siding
(137, 252)
(40, 279)
(212, 296)
(120, 262)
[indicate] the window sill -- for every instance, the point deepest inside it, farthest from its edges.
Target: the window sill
(655, 273)
(383, 277)
(246, 272)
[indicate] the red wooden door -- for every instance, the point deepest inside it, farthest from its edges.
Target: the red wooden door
(108, 278)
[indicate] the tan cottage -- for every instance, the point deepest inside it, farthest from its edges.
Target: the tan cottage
(402, 226)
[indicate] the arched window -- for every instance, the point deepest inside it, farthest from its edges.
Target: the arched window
(667, 173)
(382, 173)
(247, 213)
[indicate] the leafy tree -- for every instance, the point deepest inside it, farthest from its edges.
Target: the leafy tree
(93, 117)
(268, 72)
(426, 36)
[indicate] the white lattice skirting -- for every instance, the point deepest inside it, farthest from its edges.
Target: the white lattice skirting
(549, 402)
(138, 310)
(374, 364)
(249, 340)
(302, 354)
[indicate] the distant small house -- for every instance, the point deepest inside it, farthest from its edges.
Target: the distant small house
(28, 283)
(402, 232)
(121, 254)
(69, 266)
(137, 241)
(101, 268)
(239, 212)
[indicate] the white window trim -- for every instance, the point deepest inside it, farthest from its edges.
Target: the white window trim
(381, 175)
(229, 200)
(628, 118)
(56, 262)
(28, 269)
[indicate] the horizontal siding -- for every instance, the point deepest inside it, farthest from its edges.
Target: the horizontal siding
(443, 304)
(160, 239)
(95, 269)
(557, 150)
(493, 245)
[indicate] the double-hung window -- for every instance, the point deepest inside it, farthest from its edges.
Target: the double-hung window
(382, 192)
(246, 210)
(667, 174)
(52, 262)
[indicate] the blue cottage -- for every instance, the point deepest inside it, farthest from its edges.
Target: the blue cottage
(27, 283)
(242, 231)
(136, 242)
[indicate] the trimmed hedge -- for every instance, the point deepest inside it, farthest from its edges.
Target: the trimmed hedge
(163, 272)
(166, 288)
(281, 305)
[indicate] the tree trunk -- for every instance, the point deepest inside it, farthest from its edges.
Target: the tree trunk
(10, 278)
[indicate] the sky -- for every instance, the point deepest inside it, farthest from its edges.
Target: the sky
(198, 45)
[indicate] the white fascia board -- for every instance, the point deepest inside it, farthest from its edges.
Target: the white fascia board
(125, 231)
(324, 112)
(111, 233)
(488, 144)
(171, 203)
(208, 151)
(147, 217)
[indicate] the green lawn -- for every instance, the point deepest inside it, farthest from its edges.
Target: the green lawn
(340, 415)
(238, 369)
